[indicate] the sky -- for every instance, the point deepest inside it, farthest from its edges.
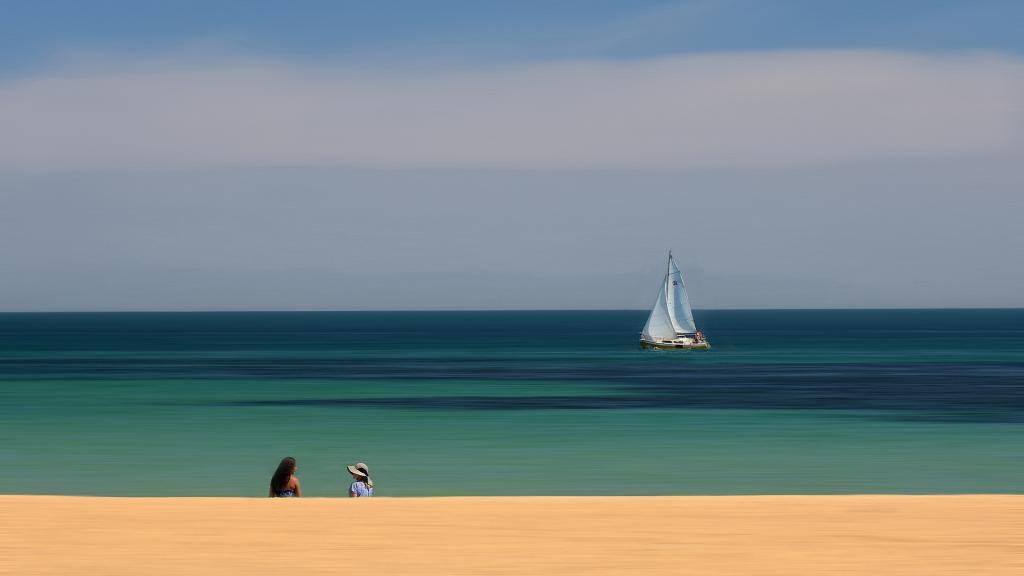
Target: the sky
(507, 155)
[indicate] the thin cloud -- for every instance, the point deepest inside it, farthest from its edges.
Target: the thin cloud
(736, 110)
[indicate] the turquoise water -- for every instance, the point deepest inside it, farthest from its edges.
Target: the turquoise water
(909, 401)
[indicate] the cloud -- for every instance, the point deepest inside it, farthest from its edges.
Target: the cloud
(761, 109)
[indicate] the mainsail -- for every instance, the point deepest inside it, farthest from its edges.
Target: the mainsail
(671, 314)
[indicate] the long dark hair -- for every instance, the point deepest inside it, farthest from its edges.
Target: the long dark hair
(283, 474)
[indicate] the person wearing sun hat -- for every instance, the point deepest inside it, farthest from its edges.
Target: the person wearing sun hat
(362, 485)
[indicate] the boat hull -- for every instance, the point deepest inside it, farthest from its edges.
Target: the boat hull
(670, 345)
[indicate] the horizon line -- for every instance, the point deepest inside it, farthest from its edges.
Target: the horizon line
(442, 310)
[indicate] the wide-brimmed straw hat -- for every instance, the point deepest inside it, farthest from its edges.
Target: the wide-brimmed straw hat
(359, 469)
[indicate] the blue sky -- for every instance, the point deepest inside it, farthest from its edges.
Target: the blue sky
(45, 33)
(436, 155)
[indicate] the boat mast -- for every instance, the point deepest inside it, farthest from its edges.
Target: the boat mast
(668, 269)
(670, 295)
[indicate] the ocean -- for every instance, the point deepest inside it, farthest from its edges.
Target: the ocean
(510, 403)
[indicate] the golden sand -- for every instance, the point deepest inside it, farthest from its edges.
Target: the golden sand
(749, 535)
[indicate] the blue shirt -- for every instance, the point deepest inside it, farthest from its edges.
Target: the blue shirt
(360, 489)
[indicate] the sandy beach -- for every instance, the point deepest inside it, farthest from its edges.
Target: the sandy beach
(515, 535)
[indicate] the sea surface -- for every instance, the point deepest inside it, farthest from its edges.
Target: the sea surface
(545, 402)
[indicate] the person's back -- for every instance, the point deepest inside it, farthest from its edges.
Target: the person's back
(359, 488)
(290, 490)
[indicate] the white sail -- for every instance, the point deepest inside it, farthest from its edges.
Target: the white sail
(678, 303)
(659, 325)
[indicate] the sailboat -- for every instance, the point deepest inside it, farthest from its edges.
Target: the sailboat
(670, 325)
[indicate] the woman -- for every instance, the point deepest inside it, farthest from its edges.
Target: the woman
(362, 485)
(284, 484)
